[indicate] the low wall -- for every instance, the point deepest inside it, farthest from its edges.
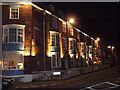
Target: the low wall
(64, 74)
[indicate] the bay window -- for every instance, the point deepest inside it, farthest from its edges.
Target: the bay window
(72, 44)
(13, 33)
(55, 39)
(12, 61)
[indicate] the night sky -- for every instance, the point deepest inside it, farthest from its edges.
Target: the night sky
(99, 19)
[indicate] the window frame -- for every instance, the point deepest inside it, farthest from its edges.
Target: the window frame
(64, 42)
(57, 60)
(17, 55)
(55, 34)
(72, 43)
(17, 27)
(10, 15)
(71, 31)
(64, 27)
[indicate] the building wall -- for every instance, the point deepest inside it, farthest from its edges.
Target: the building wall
(37, 48)
(0, 47)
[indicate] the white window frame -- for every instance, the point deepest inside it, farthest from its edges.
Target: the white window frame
(55, 34)
(17, 28)
(64, 27)
(57, 61)
(16, 61)
(73, 43)
(10, 16)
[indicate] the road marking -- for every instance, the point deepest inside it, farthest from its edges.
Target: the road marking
(34, 86)
(43, 85)
(113, 84)
(52, 84)
(109, 83)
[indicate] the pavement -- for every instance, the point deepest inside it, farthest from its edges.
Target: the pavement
(100, 80)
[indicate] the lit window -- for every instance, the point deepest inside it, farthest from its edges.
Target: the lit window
(12, 61)
(55, 39)
(14, 13)
(13, 33)
(71, 30)
(64, 27)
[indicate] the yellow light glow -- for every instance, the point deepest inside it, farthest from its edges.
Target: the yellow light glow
(48, 12)
(71, 20)
(27, 54)
(98, 39)
(26, 3)
(77, 55)
(33, 53)
(109, 47)
(61, 48)
(20, 65)
(71, 55)
(94, 62)
(113, 47)
(48, 46)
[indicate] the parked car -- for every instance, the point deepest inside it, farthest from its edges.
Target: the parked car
(7, 82)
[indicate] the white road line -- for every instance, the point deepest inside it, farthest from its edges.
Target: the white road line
(34, 86)
(91, 88)
(43, 85)
(112, 84)
(97, 84)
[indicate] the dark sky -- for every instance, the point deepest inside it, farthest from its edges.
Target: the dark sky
(96, 19)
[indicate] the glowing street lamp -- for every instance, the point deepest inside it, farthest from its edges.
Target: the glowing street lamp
(109, 47)
(98, 39)
(71, 20)
(113, 47)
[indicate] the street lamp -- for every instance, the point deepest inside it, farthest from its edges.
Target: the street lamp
(98, 39)
(71, 20)
(109, 47)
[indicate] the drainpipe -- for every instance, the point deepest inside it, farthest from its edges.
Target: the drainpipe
(44, 40)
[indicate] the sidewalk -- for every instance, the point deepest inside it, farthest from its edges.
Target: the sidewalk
(58, 82)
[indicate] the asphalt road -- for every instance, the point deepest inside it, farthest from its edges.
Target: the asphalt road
(100, 80)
